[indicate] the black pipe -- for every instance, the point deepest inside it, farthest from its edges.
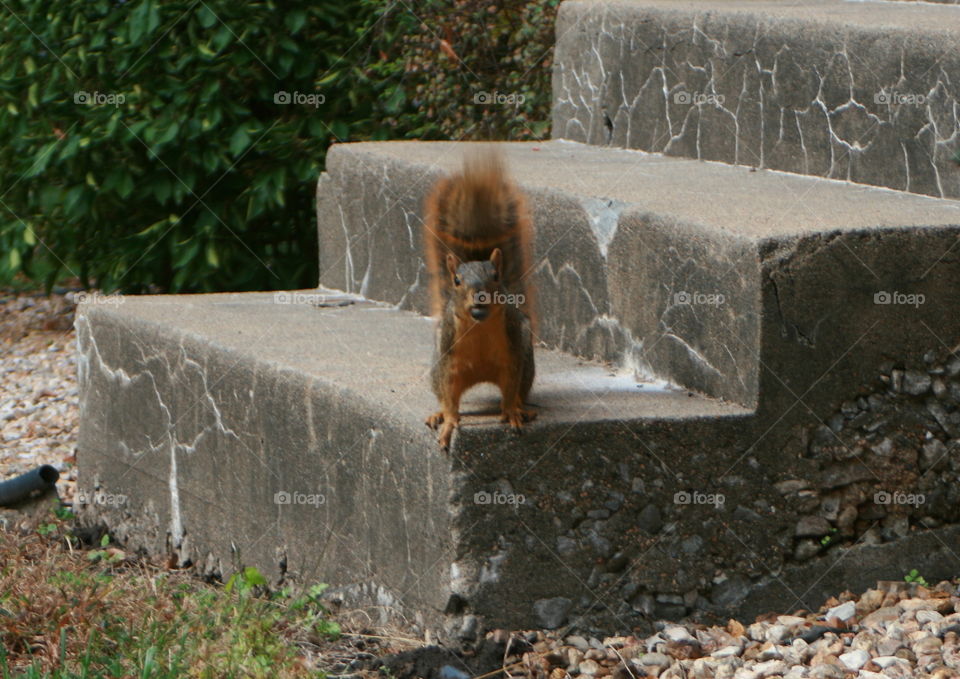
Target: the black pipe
(19, 488)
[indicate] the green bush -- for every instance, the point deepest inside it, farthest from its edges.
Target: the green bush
(141, 145)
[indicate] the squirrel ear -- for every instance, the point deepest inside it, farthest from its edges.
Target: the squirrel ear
(497, 258)
(452, 264)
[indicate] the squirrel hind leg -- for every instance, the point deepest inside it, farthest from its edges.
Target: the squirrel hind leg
(450, 425)
(517, 416)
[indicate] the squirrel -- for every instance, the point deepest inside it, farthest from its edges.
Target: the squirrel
(478, 237)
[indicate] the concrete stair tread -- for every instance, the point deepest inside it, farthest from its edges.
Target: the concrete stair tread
(864, 13)
(747, 203)
(381, 356)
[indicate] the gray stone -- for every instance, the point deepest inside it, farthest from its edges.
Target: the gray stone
(896, 526)
(843, 611)
(806, 549)
(649, 519)
(884, 448)
(614, 502)
(934, 453)
(469, 627)
(827, 671)
(953, 367)
(791, 486)
(830, 507)
(655, 660)
(566, 546)
(742, 513)
(846, 519)
(812, 526)
(731, 591)
(552, 613)
(896, 381)
(940, 388)
(600, 544)
(916, 383)
(942, 418)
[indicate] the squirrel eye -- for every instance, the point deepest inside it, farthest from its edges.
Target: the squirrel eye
(456, 280)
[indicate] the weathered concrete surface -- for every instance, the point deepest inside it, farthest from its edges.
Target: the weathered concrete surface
(713, 277)
(632, 502)
(863, 91)
(202, 411)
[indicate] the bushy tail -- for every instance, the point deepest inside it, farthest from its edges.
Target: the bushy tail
(472, 212)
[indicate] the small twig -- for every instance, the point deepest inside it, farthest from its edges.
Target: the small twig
(626, 665)
(498, 671)
(377, 636)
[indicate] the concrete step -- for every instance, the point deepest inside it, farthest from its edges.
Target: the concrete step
(860, 91)
(751, 286)
(284, 431)
(202, 411)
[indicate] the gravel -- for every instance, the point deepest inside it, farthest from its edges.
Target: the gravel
(38, 387)
(898, 629)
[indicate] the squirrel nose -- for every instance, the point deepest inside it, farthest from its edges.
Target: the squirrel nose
(479, 312)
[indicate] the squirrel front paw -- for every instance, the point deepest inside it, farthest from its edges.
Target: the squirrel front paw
(435, 420)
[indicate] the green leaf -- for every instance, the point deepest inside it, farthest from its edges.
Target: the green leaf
(340, 129)
(212, 258)
(295, 20)
(395, 101)
(239, 141)
(125, 185)
(253, 577)
(41, 159)
(206, 17)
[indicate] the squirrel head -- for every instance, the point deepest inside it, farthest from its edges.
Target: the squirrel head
(475, 287)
